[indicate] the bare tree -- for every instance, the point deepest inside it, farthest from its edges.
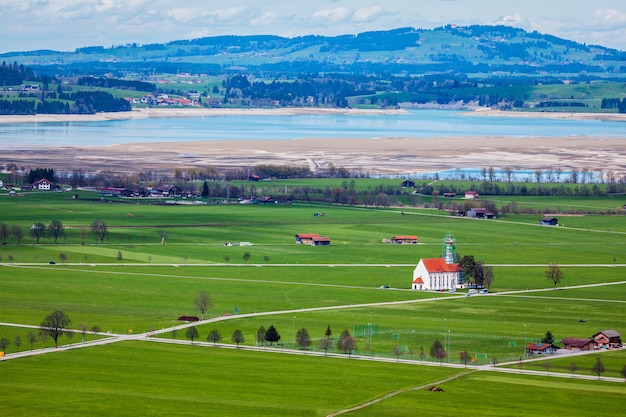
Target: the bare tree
(554, 274)
(37, 230)
(398, 351)
(598, 367)
(260, 336)
(203, 302)
(99, 229)
(465, 357)
(95, 330)
(349, 345)
(63, 257)
(437, 351)
(572, 367)
(18, 234)
(32, 338)
(4, 233)
(303, 338)
(324, 344)
(83, 331)
(55, 324)
(56, 230)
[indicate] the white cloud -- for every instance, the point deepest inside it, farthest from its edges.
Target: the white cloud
(266, 19)
(611, 18)
(367, 15)
(331, 16)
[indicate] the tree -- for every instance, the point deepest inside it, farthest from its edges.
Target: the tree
(99, 229)
(238, 337)
(548, 338)
(205, 190)
(303, 338)
(464, 356)
(203, 302)
(192, 333)
(214, 336)
(55, 324)
(325, 343)
(328, 332)
(4, 344)
(63, 257)
(342, 336)
(37, 230)
(4, 233)
(572, 367)
(18, 234)
(422, 354)
(272, 336)
(437, 351)
(598, 367)
(32, 338)
(487, 276)
(623, 372)
(95, 330)
(56, 230)
(468, 265)
(398, 351)
(554, 274)
(43, 337)
(83, 331)
(162, 235)
(547, 365)
(246, 256)
(227, 258)
(349, 344)
(260, 336)
(119, 256)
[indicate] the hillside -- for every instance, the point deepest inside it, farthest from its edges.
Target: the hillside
(470, 50)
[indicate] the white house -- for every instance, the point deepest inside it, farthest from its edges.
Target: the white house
(42, 185)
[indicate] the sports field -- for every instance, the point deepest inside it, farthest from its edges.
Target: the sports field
(133, 288)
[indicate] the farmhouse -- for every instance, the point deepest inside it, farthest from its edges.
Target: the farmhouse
(449, 195)
(541, 349)
(607, 339)
(312, 239)
(408, 184)
(471, 195)
(43, 185)
(549, 221)
(320, 241)
(480, 213)
(578, 344)
(436, 274)
(167, 190)
(254, 178)
(404, 240)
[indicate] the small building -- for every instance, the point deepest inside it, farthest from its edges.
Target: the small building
(113, 192)
(471, 195)
(578, 344)
(480, 213)
(254, 178)
(607, 339)
(320, 241)
(549, 221)
(408, 184)
(43, 185)
(449, 195)
(541, 349)
(305, 238)
(404, 240)
(168, 190)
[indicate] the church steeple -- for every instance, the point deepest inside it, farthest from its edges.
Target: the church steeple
(449, 248)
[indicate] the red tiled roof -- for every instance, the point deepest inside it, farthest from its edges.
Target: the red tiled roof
(418, 280)
(575, 341)
(440, 265)
(405, 237)
(539, 346)
(307, 235)
(320, 239)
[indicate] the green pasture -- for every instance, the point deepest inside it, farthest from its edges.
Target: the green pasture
(613, 362)
(133, 283)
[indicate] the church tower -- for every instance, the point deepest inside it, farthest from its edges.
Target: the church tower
(448, 251)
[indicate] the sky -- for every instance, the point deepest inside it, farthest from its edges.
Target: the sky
(65, 25)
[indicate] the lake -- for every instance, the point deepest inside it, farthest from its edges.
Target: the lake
(417, 123)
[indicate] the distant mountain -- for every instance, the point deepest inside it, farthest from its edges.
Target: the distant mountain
(466, 49)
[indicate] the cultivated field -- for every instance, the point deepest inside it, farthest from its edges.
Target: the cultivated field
(134, 288)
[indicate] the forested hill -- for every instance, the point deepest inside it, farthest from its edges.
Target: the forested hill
(469, 49)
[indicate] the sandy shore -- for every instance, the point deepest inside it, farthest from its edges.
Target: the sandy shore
(387, 156)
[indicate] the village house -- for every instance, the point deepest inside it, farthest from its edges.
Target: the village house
(167, 190)
(578, 344)
(312, 239)
(449, 195)
(408, 184)
(480, 213)
(541, 349)
(43, 185)
(549, 221)
(471, 195)
(607, 339)
(404, 240)
(438, 274)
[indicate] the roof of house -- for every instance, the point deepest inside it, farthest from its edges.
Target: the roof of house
(418, 280)
(480, 210)
(609, 333)
(307, 235)
(43, 181)
(540, 346)
(165, 187)
(400, 237)
(547, 219)
(440, 265)
(320, 239)
(471, 192)
(576, 341)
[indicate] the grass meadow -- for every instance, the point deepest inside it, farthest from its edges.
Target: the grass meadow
(131, 283)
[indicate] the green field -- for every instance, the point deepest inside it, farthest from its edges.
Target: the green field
(131, 284)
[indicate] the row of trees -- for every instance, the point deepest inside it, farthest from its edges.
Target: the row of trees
(55, 230)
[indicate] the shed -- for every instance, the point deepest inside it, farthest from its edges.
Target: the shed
(577, 343)
(408, 184)
(549, 221)
(404, 240)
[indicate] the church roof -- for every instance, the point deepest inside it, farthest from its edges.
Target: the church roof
(418, 280)
(440, 265)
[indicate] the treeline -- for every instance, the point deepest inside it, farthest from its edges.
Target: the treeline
(80, 102)
(14, 74)
(116, 83)
(614, 103)
(40, 173)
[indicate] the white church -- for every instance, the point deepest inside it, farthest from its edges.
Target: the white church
(435, 274)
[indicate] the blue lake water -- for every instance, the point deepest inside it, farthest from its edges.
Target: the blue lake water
(418, 124)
